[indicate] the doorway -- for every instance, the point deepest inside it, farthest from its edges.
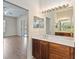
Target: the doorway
(15, 34)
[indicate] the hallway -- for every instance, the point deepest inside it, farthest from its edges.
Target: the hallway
(14, 47)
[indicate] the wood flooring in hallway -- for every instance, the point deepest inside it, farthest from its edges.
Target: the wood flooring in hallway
(14, 48)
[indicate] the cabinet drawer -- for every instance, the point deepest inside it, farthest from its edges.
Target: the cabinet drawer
(59, 49)
(62, 53)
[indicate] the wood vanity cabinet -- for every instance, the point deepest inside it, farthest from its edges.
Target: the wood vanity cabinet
(57, 51)
(36, 48)
(46, 50)
(39, 49)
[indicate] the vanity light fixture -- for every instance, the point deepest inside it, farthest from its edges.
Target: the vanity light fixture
(56, 8)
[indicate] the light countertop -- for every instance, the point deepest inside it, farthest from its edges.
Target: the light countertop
(68, 41)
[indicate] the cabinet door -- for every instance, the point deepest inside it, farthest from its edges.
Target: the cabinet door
(36, 48)
(44, 49)
(33, 47)
(57, 51)
(72, 53)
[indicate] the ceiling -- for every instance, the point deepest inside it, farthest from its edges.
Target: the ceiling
(12, 10)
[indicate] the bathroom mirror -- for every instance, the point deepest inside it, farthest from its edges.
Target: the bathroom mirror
(59, 21)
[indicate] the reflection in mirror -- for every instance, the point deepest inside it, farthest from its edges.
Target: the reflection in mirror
(38, 22)
(59, 21)
(63, 25)
(15, 34)
(48, 25)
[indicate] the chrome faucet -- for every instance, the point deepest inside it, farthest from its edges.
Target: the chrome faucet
(45, 36)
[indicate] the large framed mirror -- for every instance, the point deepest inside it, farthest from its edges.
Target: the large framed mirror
(59, 21)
